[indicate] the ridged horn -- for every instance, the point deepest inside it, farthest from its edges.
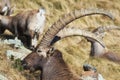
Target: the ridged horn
(67, 32)
(66, 19)
(103, 29)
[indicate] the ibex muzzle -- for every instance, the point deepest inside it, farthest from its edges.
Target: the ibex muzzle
(33, 62)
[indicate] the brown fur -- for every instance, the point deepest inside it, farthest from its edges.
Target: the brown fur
(91, 74)
(18, 25)
(112, 57)
(52, 67)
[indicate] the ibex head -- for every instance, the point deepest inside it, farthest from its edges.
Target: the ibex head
(44, 46)
(38, 28)
(33, 62)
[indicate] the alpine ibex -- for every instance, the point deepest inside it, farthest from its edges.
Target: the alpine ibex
(24, 24)
(50, 61)
(5, 7)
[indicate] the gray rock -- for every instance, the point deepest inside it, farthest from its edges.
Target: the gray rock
(21, 53)
(3, 77)
(16, 42)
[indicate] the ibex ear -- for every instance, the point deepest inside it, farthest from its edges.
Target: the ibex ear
(50, 51)
(42, 11)
(57, 54)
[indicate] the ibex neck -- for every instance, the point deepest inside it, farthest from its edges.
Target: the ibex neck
(5, 20)
(97, 49)
(57, 69)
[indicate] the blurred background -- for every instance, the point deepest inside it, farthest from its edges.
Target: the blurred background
(75, 49)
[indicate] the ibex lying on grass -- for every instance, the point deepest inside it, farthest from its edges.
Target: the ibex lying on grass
(5, 7)
(97, 49)
(57, 69)
(49, 61)
(24, 24)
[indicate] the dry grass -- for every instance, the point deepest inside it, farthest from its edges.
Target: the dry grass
(75, 49)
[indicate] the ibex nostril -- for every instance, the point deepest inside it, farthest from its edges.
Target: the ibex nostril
(25, 66)
(32, 48)
(23, 63)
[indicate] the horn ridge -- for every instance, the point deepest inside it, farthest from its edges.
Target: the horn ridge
(67, 32)
(62, 22)
(103, 29)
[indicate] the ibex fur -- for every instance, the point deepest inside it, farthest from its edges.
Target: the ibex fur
(23, 24)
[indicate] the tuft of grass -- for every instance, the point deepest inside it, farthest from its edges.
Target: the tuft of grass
(17, 65)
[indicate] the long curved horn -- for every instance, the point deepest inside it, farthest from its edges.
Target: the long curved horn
(67, 32)
(103, 29)
(62, 22)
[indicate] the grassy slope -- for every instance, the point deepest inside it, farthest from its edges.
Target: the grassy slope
(75, 49)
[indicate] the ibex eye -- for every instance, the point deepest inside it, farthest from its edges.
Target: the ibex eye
(51, 49)
(38, 50)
